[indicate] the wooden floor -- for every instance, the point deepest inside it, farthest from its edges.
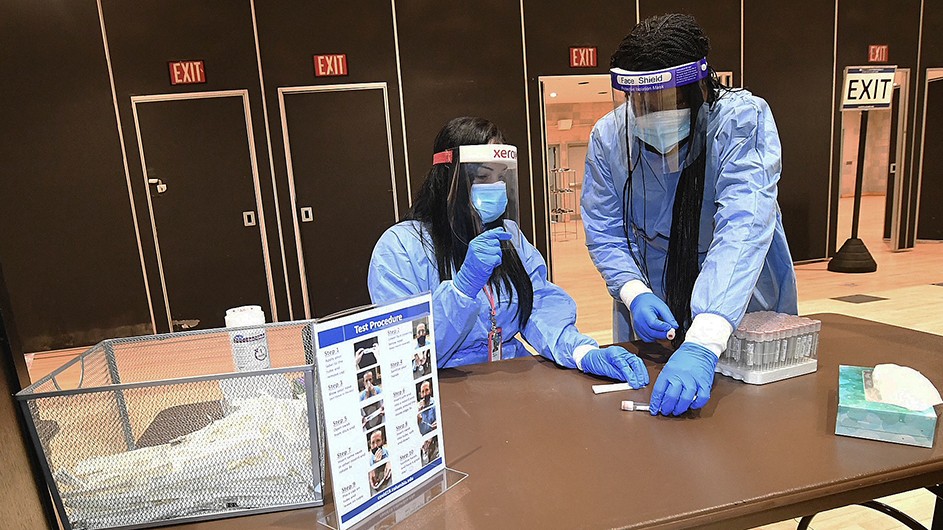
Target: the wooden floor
(904, 279)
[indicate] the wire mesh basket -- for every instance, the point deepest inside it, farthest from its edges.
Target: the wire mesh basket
(148, 431)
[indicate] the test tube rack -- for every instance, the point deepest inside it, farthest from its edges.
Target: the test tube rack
(769, 346)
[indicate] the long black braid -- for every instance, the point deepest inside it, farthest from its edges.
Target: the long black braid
(662, 42)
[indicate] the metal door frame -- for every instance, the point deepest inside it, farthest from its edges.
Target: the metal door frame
(543, 156)
(902, 135)
(250, 137)
(311, 89)
(544, 175)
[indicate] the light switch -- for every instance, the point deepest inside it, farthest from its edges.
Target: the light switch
(307, 215)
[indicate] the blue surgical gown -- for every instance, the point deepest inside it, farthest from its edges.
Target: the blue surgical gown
(403, 263)
(744, 259)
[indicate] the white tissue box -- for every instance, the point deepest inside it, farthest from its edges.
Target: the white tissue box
(861, 418)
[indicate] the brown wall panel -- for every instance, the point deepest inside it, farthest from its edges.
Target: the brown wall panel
(931, 56)
(290, 33)
(67, 242)
(720, 20)
(463, 59)
(796, 80)
(929, 217)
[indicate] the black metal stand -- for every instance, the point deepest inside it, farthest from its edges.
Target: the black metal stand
(853, 256)
(903, 518)
(937, 522)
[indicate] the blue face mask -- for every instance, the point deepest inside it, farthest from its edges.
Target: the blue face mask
(664, 129)
(490, 200)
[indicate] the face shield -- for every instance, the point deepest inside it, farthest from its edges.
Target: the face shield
(655, 109)
(484, 192)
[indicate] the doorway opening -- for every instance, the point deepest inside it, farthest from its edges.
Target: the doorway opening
(882, 190)
(571, 105)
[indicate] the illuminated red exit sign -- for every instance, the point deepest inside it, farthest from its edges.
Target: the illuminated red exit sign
(878, 53)
(186, 72)
(330, 65)
(583, 57)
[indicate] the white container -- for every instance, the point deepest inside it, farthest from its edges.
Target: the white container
(250, 353)
(249, 346)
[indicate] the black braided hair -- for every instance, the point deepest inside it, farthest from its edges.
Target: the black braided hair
(662, 42)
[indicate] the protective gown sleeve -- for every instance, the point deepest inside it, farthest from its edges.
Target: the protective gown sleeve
(551, 328)
(749, 166)
(602, 212)
(396, 272)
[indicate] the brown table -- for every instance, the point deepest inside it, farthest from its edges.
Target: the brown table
(543, 451)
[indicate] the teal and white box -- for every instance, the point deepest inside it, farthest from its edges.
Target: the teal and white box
(861, 418)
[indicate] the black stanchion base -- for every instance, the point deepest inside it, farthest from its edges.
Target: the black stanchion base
(853, 256)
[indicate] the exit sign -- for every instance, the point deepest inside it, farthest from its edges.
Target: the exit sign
(584, 57)
(330, 65)
(868, 87)
(186, 72)
(878, 53)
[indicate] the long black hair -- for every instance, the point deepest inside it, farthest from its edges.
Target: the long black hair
(443, 205)
(662, 42)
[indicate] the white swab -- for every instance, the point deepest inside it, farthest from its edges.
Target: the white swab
(614, 387)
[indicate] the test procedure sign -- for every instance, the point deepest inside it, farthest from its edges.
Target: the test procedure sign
(868, 87)
(380, 390)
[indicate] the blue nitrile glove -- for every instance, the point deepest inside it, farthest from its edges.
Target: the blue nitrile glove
(615, 362)
(651, 318)
(484, 254)
(685, 381)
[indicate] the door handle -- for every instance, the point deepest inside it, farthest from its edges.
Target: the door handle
(893, 168)
(248, 218)
(307, 214)
(161, 187)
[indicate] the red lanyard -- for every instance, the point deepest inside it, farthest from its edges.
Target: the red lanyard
(494, 310)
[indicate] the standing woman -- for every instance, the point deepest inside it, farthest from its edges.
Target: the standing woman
(679, 206)
(488, 282)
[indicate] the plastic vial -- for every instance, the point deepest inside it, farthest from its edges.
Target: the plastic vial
(634, 405)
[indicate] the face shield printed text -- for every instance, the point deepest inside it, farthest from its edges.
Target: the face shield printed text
(659, 78)
(626, 81)
(484, 153)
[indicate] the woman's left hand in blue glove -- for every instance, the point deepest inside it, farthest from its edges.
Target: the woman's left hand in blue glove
(685, 381)
(616, 363)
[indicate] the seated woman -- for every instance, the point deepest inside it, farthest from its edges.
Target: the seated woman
(488, 282)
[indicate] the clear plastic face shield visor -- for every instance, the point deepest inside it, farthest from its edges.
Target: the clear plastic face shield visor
(654, 109)
(484, 189)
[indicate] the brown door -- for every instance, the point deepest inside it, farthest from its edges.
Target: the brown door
(200, 165)
(340, 173)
